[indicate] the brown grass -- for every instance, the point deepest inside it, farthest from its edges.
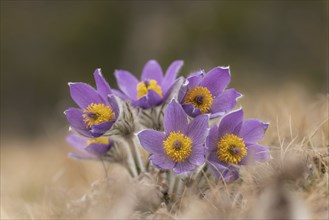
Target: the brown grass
(38, 181)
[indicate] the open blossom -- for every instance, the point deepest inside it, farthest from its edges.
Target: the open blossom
(98, 109)
(153, 88)
(181, 146)
(205, 93)
(89, 148)
(234, 143)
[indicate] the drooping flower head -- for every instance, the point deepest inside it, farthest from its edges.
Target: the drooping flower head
(89, 148)
(234, 143)
(98, 108)
(205, 93)
(153, 88)
(181, 146)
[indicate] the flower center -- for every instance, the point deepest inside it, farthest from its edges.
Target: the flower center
(101, 140)
(231, 149)
(200, 97)
(144, 87)
(97, 113)
(177, 146)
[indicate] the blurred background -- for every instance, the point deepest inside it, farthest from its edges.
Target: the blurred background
(44, 45)
(277, 51)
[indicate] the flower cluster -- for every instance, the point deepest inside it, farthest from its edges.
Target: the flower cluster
(187, 142)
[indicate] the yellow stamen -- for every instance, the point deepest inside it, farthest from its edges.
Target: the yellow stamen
(231, 149)
(96, 114)
(100, 140)
(177, 146)
(200, 97)
(144, 87)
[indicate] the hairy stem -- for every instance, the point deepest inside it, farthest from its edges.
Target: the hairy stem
(130, 160)
(136, 153)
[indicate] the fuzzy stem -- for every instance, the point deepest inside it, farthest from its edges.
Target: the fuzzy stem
(147, 166)
(200, 174)
(130, 160)
(136, 154)
(130, 171)
(180, 187)
(175, 186)
(172, 181)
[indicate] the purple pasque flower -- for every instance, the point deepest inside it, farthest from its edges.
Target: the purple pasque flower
(98, 108)
(89, 148)
(153, 88)
(205, 93)
(181, 146)
(234, 143)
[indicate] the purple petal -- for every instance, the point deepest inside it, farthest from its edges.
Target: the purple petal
(161, 161)
(224, 102)
(153, 98)
(183, 167)
(191, 110)
(171, 74)
(152, 141)
(227, 174)
(256, 153)
(81, 155)
(173, 88)
(98, 149)
(215, 115)
(99, 129)
(152, 70)
(114, 105)
(175, 118)
(231, 175)
(142, 102)
(201, 73)
(127, 83)
(222, 170)
(83, 94)
(101, 84)
(120, 94)
(212, 140)
(182, 92)
(252, 130)
(216, 80)
(197, 130)
(194, 80)
(197, 156)
(189, 83)
(212, 157)
(231, 123)
(77, 141)
(74, 117)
